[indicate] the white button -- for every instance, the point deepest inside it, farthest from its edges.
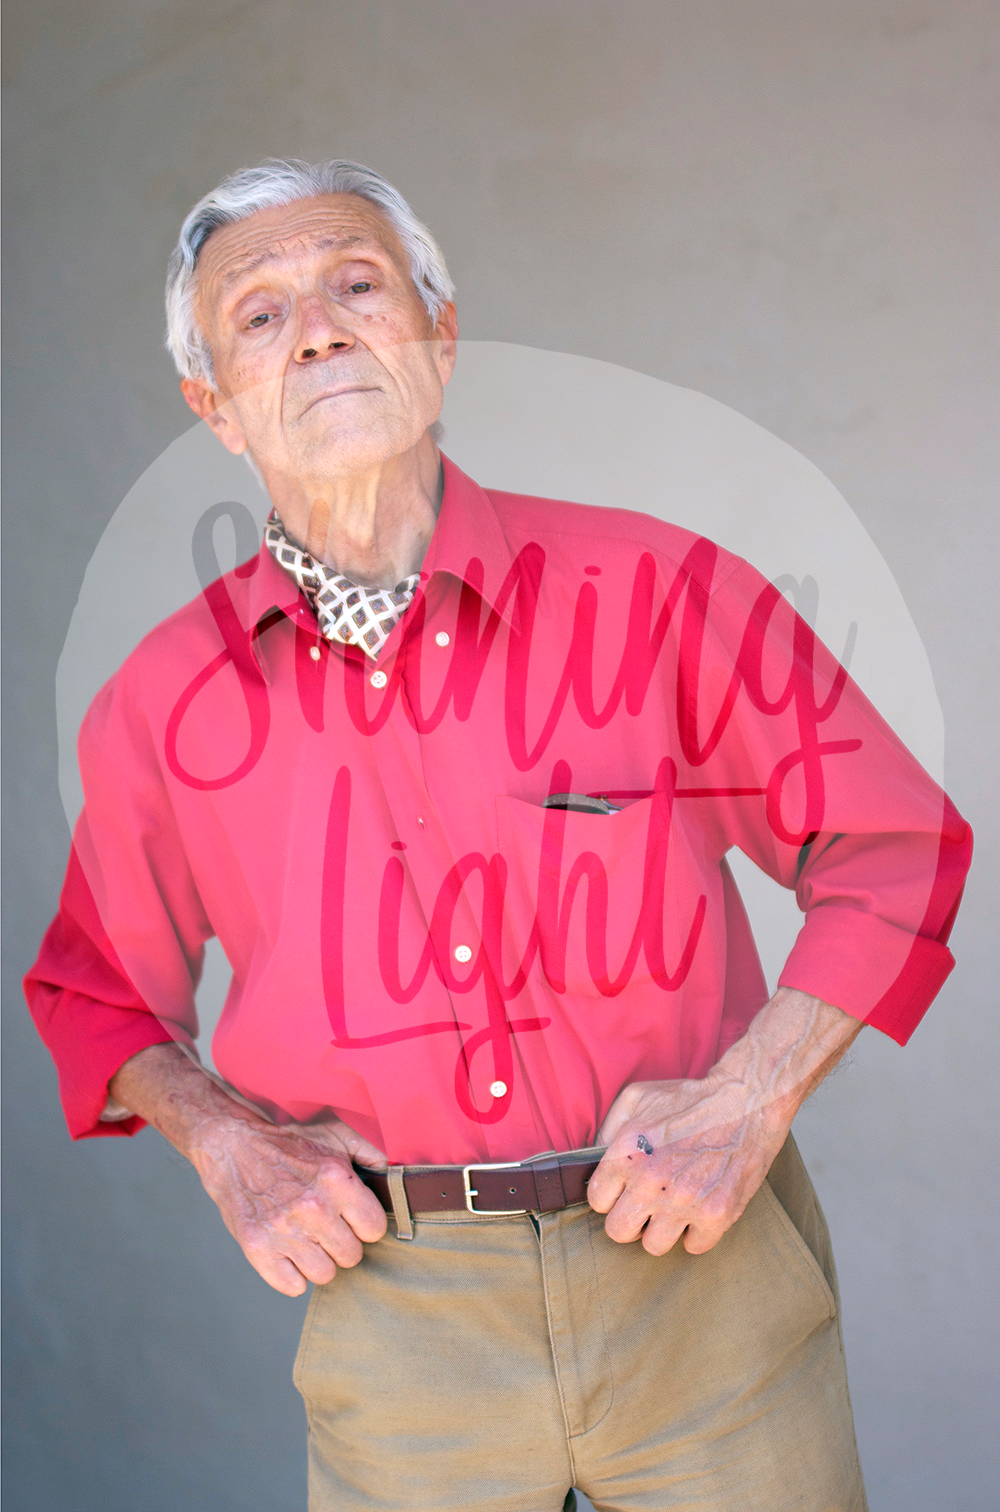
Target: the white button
(463, 953)
(378, 679)
(498, 1089)
(315, 653)
(442, 637)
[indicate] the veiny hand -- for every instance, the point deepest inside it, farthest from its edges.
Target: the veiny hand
(685, 1157)
(289, 1196)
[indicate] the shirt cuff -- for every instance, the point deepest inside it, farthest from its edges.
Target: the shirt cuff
(873, 970)
(89, 1041)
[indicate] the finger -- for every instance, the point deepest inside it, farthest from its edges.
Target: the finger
(701, 1237)
(276, 1269)
(365, 1154)
(626, 1220)
(356, 1203)
(329, 1230)
(317, 1217)
(611, 1127)
(617, 1117)
(661, 1233)
(311, 1258)
(620, 1168)
(337, 1138)
(338, 1189)
(605, 1187)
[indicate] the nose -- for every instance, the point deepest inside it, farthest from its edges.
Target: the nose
(320, 333)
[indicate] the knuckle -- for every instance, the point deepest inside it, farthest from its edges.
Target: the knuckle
(256, 1246)
(717, 1208)
(310, 1205)
(687, 1193)
(336, 1169)
(281, 1223)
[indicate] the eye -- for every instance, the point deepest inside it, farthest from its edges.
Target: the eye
(361, 287)
(257, 321)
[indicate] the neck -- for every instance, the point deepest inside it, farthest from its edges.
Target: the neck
(374, 526)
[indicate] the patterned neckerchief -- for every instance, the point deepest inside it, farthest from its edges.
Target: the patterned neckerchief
(345, 611)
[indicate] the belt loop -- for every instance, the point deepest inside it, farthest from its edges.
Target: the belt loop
(549, 1189)
(400, 1206)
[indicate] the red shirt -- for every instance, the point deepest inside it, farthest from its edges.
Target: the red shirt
(416, 942)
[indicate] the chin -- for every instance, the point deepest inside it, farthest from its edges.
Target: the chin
(343, 455)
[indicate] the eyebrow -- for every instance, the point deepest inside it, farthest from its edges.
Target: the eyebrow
(271, 255)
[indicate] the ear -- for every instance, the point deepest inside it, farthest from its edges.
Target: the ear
(446, 340)
(216, 412)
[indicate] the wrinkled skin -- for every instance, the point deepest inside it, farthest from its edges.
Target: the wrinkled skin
(328, 369)
(712, 1141)
(291, 1199)
(288, 1194)
(294, 1204)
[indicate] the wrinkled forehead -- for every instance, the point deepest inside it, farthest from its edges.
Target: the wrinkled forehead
(286, 234)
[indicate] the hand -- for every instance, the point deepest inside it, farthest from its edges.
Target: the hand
(287, 1193)
(289, 1196)
(685, 1157)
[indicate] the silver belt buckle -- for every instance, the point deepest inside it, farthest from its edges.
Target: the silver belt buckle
(470, 1190)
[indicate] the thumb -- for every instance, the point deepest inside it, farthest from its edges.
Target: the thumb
(362, 1152)
(618, 1116)
(338, 1138)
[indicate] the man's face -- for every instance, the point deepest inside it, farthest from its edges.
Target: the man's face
(320, 341)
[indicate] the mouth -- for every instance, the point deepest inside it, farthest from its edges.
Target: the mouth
(340, 392)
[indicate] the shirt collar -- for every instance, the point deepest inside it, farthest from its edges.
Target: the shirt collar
(272, 590)
(468, 543)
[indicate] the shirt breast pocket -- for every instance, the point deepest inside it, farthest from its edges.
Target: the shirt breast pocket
(586, 900)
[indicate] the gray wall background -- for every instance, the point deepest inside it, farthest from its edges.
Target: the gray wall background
(786, 205)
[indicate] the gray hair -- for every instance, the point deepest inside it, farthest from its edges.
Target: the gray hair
(282, 181)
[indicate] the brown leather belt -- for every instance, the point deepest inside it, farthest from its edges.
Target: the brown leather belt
(541, 1185)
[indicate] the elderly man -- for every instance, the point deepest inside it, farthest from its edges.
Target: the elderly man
(452, 775)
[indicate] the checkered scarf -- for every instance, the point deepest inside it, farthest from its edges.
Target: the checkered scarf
(346, 611)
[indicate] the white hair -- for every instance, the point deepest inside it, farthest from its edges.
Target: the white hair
(282, 181)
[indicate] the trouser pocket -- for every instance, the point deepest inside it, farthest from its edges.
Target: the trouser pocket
(302, 1353)
(789, 1183)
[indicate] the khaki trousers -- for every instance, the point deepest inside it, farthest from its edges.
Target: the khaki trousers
(490, 1364)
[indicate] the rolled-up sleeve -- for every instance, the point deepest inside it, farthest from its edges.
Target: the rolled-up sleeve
(118, 966)
(86, 1010)
(810, 782)
(886, 970)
